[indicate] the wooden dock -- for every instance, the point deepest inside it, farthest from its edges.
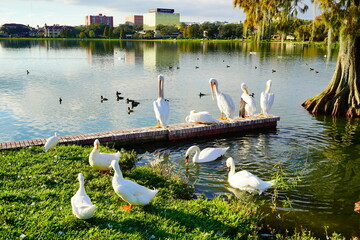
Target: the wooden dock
(173, 132)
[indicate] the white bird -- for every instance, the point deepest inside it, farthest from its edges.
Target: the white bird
(224, 101)
(101, 161)
(51, 142)
(161, 106)
(250, 105)
(266, 99)
(206, 155)
(130, 191)
(245, 180)
(200, 117)
(81, 204)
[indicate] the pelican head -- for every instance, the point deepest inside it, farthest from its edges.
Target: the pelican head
(268, 86)
(244, 87)
(97, 144)
(213, 84)
(161, 86)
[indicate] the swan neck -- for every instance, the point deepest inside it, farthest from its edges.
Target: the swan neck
(232, 169)
(197, 153)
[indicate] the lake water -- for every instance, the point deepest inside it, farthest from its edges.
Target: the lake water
(323, 152)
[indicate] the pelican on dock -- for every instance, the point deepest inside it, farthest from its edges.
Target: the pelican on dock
(224, 101)
(200, 117)
(266, 99)
(247, 102)
(161, 106)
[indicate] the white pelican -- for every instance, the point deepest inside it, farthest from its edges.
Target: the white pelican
(206, 155)
(224, 101)
(161, 107)
(81, 204)
(245, 180)
(51, 142)
(130, 191)
(101, 161)
(266, 99)
(200, 117)
(249, 101)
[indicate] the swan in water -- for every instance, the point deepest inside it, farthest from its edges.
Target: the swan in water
(81, 204)
(51, 142)
(245, 180)
(130, 191)
(101, 161)
(200, 117)
(224, 101)
(161, 106)
(266, 99)
(206, 155)
(247, 102)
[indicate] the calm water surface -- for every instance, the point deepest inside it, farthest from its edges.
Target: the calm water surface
(322, 151)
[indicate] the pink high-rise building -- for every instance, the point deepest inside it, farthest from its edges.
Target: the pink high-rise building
(108, 20)
(134, 20)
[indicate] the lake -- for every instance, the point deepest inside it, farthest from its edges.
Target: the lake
(323, 152)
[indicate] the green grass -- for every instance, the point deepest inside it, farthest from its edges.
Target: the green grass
(36, 189)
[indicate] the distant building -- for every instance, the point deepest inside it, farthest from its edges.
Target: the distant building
(15, 30)
(108, 20)
(54, 31)
(134, 20)
(163, 16)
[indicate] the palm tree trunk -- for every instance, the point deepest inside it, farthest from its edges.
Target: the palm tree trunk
(341, 97)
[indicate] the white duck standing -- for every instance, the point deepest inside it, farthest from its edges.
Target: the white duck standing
(206, 155)
(249, 101)
(224, 101)
(130, 191)
(245, 180)
(81, 204)
(101, 161)
(200, 117)
(161, 106)
(51, 142)
(266, 99)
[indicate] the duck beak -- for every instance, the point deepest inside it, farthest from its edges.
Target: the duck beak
(97, 146)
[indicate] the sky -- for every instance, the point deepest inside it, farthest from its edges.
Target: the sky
(73, 12)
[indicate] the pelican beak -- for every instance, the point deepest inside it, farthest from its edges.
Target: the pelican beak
(187, 159)
(212, 90)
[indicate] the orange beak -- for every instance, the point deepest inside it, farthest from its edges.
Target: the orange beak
(212, 90)
(187, 159)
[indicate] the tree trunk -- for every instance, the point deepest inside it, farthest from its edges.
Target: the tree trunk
(341, 97)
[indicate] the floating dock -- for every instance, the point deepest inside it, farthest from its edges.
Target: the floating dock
(173, 132)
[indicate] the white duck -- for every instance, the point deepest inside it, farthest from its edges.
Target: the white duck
(161, 106)
(224, 101)
(101, 161)
(250, 105)
(206, 155)
(245, 180)
(81, 204)
(200, 117)
(266, 99)
(130, 191)
(51, 142)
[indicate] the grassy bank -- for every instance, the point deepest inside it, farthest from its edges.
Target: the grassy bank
(37, 188)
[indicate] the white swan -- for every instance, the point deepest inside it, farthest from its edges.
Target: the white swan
(200, 117)
(51, 142)
(206, 155)
(224, 101)
(101, 161)
(266, 99)
(130, 191)
(81, 204)
(245, 180)
(250, 105)
(161, 106)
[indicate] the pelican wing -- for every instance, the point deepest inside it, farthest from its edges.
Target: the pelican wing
(226, 105)
(250, 103)
(162, 111)
(202, 117)
(266, 101)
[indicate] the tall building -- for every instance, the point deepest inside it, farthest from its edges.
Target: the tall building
(108, 20)
(163, 16)
(134, 20)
